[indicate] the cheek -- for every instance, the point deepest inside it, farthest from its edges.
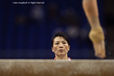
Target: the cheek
(54, 48)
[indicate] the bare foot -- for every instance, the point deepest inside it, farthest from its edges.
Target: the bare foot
(97, 37)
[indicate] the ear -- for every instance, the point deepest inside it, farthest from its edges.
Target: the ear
(68, 47)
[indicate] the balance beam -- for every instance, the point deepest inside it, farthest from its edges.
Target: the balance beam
(27, 67)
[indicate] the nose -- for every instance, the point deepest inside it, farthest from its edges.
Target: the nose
(60, 45)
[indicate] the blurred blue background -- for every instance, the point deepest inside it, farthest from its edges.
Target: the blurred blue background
(26, 29)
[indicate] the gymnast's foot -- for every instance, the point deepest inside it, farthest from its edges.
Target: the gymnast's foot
(97, 37)
(100, 49)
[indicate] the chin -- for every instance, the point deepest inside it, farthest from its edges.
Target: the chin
(62, 54)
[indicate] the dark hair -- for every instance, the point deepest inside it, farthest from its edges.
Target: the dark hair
(61, 34)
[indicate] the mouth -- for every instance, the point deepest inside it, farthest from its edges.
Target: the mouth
(61, 50)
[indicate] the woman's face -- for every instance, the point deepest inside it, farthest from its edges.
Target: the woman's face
(60, 46)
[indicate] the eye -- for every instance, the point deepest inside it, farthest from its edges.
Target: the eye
(57, 43)
(64, 42)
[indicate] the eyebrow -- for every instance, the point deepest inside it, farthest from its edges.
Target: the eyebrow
(57, 41)
(62, 41)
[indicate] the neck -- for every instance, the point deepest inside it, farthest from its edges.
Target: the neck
(61, 57)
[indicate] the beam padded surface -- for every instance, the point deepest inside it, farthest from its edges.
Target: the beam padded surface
(42, 67)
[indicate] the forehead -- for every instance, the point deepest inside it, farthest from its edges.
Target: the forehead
(59, 38)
